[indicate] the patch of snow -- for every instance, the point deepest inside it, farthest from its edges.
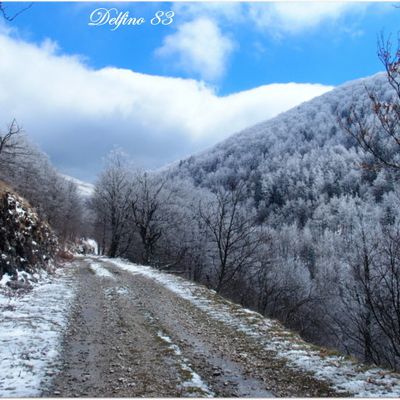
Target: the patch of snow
(195, 381)
(343, 374)
(101, 271)
(31, 329)
(5, 278)
(122, 291)
(165, 338)
(93, 243)
(112, 291)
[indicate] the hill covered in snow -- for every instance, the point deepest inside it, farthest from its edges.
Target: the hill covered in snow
(327, 219)
(300, 154)
(85, 189)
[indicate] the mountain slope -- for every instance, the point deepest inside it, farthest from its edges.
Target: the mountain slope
(306, 135)
(84, 189)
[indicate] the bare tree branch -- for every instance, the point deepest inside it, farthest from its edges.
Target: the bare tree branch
(378, 132)
(11, 17)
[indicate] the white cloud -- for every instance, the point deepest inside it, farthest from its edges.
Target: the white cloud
(224, 12)
(295, 17)
(274, 18)
(77, 114)
(202, 45)
(198, 47)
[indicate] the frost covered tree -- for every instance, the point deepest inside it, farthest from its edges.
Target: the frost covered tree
(111, 204)
(181, 246)
(29, 171)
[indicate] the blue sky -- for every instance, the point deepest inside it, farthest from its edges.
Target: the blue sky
(165, 92)
(322, 52)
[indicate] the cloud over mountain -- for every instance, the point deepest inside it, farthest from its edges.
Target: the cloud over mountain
(76, 113)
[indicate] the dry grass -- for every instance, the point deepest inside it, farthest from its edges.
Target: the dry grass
(65, 255)
(4, 187)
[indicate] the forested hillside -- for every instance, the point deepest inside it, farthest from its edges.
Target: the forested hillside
(330, 217)
(302, 153)
(291, 218)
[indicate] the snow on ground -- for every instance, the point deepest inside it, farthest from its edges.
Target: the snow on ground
(100, 271)
(344, 374)
(193, 382)
(31, 329)
(93, 244)
(4, 280)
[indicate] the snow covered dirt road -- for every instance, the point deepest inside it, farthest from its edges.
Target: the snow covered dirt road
(102, 327)
(137, 332)
(133, 336)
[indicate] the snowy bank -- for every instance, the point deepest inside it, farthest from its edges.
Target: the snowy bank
(31, 329)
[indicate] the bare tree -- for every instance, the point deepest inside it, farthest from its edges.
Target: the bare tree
(11, 16)
(384, 296)
(358, 298)
(232, 231)
(11, 144)
(376, 291)
(149, 205)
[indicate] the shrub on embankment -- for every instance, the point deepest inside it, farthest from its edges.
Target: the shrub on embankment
(27, 243)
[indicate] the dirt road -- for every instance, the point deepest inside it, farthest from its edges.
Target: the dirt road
(131, 336)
